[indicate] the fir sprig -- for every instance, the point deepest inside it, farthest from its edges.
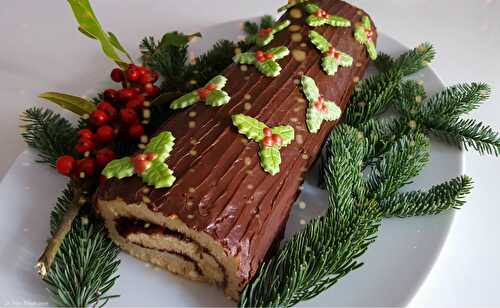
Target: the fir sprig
(252, 28)
(48, 133)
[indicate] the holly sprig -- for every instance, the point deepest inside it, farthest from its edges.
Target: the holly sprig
(264, 62)
(332, 58)
(264, 36)
(291, 4)
(319, 109)
(270, 140)
(211, 93)
(363, 33)
(150, 165)
(319, 17)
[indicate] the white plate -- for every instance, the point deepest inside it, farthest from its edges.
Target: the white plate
(395, 265)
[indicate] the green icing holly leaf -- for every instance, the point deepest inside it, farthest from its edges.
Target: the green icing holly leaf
(319, 41)
(211, 93)
(245, 58)
(332, 58)
(270, 159)
(161, 145)
(158, 174)
(312, 8)
(315, 115)
(309, 88)
(319, 17)
(217, 98)
(266, 35)
(119, 168)
(269, 68)
(250, 127)
(76, 104)
(185, 101)
(291, 4)
(363, 33)
(286, 132)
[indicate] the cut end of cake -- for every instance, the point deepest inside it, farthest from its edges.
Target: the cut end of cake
(167, 242)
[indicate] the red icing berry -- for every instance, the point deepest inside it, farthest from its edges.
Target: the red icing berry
(369, 34)
(132, 74)
(83, 145)
(267, 141)
(65, 165)
(105, 133)
(259, 53)
(277, 140)
(140, 157)
(322, 14)
(128, 116)
(104, 156)
(117, 75)
(99, 117)
(211, 86)
(332, 52)
(136, 102)
(142, 161)
(203, 93)
(267, 132)
(108, 108)
(86, 133)
(126, 94)
(136, 130)
(268, 56)
(324, 109)
(320, 103)
(86, 165)
(151, 156)
(265, 32)
(110, 95)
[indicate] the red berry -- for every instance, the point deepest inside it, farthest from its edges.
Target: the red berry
(104, 156)
(65, 165)
(132, 66)
(268, 56)
(139, 157)
(151, 156)
(277, 139)
(105, 133)
(324, 109)
(147, 78)
(86, 133)
(203, 93)
(136, 102)
(99, 117)
(137, 90)
(267, 132)
(117, 75)
(259, 53)
(260, 59)
(211, 86)
(86, 165)
(141, 70)
(141, 165)
(132, 74)
(83, 145)
(128, 116)
(136, 130)
(267, 141)
(126, 94)
(108, 108)
(110, 95)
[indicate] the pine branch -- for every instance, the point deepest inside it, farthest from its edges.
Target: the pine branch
(383, 134)
(403, 161)
(328, 248)
(384, 62)
(416, 59)
(267, 21)
(85, 268)
(442, 197)
(468, 133)
(48, 133)
(454, 102)
(250, 27)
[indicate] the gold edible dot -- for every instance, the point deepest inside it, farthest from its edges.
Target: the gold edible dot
(190, 216)
(146, 104)
(246, 77)
(294, 28)
(300, 100)
(296, 37)
(86, 154)
(247, 106)
(359, 12)
(146, 199)
(296, 81)
(243, 68)
(247, 97)
(145, 190)
(191, 189)
(250, 186)
(303, 45)
(302, 222)
(248, 161)
(146, 113)
(144, 139)
(412, 124)
(305, 156)
(147, 225)
(359, 64)
(299, 55)
(295, 13)
(85, 220)
(82, 200)
(237, 51)
(191, 124)
(299, 139)
(420, 82)
(249, 172)
(355, 79)
(294, 119)
(193, 141)
(192, 81)
(192, 114)
(141, 146)
(302, 205)
(244, 141)
(418, 99)
(193, 152)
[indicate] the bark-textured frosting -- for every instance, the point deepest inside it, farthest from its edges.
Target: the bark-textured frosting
(221, 189)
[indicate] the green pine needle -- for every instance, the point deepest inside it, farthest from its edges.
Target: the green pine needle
(416, 59)
(85, 268)
(48, 133)
(267, 21)
(410, 97)
(442, 197)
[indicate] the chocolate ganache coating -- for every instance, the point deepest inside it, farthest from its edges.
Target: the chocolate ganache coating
(221, 189)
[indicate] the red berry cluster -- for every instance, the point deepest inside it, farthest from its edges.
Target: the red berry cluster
(121, 114)
(333, 53)
(261, 56)
(322, 14)
(320, 105)
(142, 161)
(265, 32)
(271, 139)
(205, 91)
(369, 34)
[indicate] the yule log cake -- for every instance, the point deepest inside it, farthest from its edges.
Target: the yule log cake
(217, 221)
